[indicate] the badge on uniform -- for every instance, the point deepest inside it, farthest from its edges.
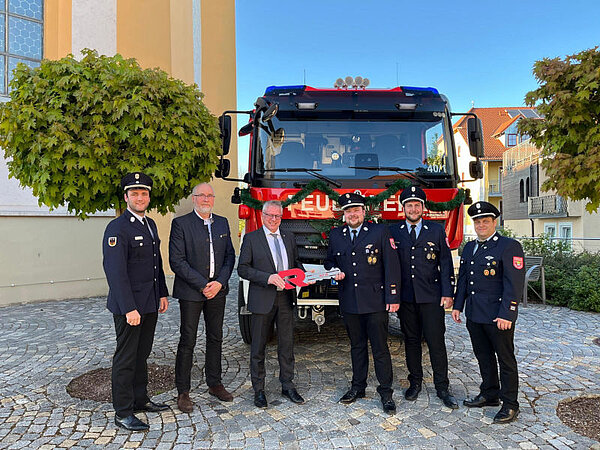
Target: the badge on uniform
(486, 272)
(518, 262)
(112, 241)
(392, 243)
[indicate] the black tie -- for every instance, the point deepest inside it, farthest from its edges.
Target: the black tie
(354, 232)
(480, 245)
(413, 233)
(143, 221)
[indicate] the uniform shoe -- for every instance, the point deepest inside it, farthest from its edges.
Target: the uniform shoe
(389, 406)
(131, 423)
(220, 392)
(151, 407)
(479, 401)
(260, 399)
(184, 403)
(448, 400)
(293, 395)
(412, 393)
(351, 396)
(506, 415)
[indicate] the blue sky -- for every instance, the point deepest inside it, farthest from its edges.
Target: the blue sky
(481, 52)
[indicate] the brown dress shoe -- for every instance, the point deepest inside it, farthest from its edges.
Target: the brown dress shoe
(184, 403)
(220, 392)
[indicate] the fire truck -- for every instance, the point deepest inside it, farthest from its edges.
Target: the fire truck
(352, 139)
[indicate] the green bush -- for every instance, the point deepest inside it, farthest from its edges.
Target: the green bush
(586, 289)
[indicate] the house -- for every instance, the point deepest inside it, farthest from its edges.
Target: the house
(530, 212)
(499, 134)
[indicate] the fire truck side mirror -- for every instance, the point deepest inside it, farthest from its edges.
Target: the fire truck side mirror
(475, 133)
(225, 127)
(270, 112)
(223, 169)
(476, 169)
(246, 129)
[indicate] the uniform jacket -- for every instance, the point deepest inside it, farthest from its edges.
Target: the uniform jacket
(371, 267)
(256, 265)
(490, 283)
(427, 265)
(133, 266)
(189, 255)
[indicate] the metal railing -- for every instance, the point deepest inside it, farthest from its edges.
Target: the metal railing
(547, 205)
(494, 189)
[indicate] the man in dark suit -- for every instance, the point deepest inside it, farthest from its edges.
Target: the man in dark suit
(137, 290)
(369, 287)
(264, 253)
(426, 290)
(490, 286)
(202, 257)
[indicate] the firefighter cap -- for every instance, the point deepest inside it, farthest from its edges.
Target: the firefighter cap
(413, 193)
(351, 199)
(482, 209)
(136, 180)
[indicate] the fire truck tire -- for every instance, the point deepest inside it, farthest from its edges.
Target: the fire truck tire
(244, 319)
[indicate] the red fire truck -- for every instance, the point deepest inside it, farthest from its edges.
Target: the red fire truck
(353, 139)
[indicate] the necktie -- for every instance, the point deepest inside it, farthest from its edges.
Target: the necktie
(413, 233)
(479, 246)
(147, 225)
(279, 262)
(354, 232)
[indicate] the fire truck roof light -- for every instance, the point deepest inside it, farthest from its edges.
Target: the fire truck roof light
(272, 89)
(422, 89)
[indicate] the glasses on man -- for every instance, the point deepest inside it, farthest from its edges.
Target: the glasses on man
(273, 216)
(205, 196)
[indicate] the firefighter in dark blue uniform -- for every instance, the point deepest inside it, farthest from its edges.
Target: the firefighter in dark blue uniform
(137, 292)
(369, 284)
(490, 285)
(426, 291)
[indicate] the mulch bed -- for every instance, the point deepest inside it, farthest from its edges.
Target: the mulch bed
(582, 414)
(96, 385)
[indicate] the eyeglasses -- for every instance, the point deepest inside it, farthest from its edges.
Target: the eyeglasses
(206, 196)
(273, 216)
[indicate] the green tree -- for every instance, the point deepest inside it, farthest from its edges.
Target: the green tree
(569, 135)
(73, 128)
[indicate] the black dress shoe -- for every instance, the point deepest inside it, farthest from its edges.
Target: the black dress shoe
(151, 407)
(412, 393)
(131, 423)
(293, 395)
(351, 396)
(479, 401)
(448, 399)
(389, 406)
(260, 399)
(506, 415)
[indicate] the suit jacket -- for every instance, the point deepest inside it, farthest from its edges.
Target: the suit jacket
(256, 265)
(189, 255)
(133, 266)
(371, 267)
(490, 283)
(426, 265)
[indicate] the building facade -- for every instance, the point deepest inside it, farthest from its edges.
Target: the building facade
(51, 254)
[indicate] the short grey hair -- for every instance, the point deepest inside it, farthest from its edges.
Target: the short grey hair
(272, 203)
(195, 189)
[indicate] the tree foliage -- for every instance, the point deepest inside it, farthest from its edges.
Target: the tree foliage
(73, 128)
(569, 135)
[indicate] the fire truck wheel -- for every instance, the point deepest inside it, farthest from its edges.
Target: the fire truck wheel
(244, 319)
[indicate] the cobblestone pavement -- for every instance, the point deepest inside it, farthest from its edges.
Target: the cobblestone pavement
(45, 345)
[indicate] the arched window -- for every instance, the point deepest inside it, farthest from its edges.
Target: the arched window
(521, 192)
(527, 189)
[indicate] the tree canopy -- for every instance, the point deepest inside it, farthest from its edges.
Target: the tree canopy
(569, 99)
(73, 128)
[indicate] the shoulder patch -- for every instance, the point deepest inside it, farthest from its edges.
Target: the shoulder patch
(112, 241)
(518, 262)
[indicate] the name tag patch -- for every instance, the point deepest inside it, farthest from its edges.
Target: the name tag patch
(139, 238)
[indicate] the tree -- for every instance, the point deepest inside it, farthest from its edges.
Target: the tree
(73, 128)
(569, 99)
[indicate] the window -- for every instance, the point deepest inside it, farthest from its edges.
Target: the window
(521, 192)
(21, 32)
(526, 188)
(550, 229)
(511, 140)
(565, 233)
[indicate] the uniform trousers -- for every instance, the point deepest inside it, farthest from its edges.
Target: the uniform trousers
(260, 329)
(214, 310)
(427, 320)
(488, 342)
(361, 329)
(129, 369)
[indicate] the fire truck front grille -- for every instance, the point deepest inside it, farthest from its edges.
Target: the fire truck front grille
(307, 240)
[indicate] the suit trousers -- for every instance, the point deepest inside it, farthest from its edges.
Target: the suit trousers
(371, 327)
(129, 369)
(488, 342)
(427, 320)
(260, 327)
(214, 310)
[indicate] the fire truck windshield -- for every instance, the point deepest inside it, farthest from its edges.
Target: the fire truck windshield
(345, 149)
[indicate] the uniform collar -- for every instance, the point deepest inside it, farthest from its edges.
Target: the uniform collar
(137, 216)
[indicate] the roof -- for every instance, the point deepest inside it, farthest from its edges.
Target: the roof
(494, 122)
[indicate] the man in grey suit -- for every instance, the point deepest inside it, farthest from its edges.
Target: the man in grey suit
(264, 253)
(202, 257)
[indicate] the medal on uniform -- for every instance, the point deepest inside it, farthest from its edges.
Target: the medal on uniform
(433, 256)
(492, 272)
(486, 272)
(428, 255)
(493, 263)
